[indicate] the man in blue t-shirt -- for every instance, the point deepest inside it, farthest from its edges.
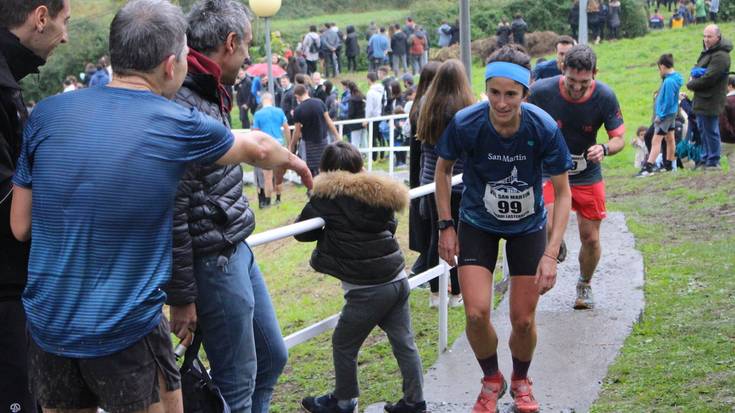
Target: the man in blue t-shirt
(581, 105)
(101, 250)
(271, 120)
(504, 145)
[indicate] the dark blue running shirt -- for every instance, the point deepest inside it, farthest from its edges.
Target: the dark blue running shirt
(502, 176)
(579, 121)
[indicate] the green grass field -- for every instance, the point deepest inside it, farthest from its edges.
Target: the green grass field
(679, 358)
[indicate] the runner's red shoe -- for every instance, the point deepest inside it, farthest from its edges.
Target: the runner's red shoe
(493, 388)
(522, 394)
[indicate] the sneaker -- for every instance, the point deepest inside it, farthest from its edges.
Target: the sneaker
(584, 300)
(434, 300)
(403, 407)
(493, 388)
(325, 404)
(646, 170)
(522, 394)
(455, 300)
(562, 253)
(712, 168)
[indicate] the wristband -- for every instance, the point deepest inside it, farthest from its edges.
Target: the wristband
(605, 149)
(550, 256)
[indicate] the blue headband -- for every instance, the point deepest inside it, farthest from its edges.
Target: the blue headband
(510, 71)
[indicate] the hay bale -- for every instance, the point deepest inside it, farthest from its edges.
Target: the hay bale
(540, 43)
(537, 44)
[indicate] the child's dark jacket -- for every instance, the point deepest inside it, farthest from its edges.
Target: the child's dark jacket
(357, 243)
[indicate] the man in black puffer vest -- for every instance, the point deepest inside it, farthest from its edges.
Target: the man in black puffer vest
(216, 282)
(29, 32)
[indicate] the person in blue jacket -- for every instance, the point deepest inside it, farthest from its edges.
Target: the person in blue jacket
(667, 106)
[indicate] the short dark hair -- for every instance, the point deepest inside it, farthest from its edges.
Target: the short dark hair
(372, 76)
(641, 129)
(397, 26)
(511, 53)
(13, 13)
(581, 57)
(341, 156)
(299, 90)
(731, 81)
(301, 79)
(565, 40)
(382, 29)
(667, 60)
(312, 28)
(144, 33)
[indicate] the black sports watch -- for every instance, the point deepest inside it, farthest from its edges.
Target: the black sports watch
(444, 224)
(605, 149)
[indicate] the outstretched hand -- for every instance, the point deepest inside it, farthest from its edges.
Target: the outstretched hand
(545, 274)
(297, 165)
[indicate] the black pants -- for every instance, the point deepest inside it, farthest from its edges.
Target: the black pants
(352, 63)
(310, 67)
(244, 119)
(378, 141)
(613, 32)
(14, 388)
(432, 253)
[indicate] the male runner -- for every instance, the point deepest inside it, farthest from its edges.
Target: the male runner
(581, 105)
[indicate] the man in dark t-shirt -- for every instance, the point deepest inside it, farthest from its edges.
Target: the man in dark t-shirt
(312, 122)
(580, 105)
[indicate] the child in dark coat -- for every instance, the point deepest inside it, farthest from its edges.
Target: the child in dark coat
(358, 245)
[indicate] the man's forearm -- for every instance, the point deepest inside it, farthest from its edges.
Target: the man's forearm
(273, 155)
(615, 145)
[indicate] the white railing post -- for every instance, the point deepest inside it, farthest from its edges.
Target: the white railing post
(443, 308)
(370, 146)
(341, 130)
(391, 153)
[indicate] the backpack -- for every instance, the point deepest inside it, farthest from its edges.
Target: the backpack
(313, 48)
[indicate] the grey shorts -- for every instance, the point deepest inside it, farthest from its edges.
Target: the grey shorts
(122, 382)
(665, 125)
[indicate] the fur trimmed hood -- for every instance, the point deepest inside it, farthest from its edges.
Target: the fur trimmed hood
(374, 190)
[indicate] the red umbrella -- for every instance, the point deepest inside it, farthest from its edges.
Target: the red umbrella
(261, 69)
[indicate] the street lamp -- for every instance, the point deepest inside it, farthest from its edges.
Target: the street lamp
(267, 9)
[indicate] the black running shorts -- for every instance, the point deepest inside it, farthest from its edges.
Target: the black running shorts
(122, 382)
(477, 247)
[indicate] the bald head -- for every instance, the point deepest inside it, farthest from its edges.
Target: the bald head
(712, 36)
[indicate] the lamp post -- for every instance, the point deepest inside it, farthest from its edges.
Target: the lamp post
(583, 33)
(267, 9)
(464, 37)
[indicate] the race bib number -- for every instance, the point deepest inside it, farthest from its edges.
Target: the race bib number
(579, 164)
(508, 204)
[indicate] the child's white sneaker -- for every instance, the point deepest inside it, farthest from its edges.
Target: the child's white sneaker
(455, 300)
(434, 300)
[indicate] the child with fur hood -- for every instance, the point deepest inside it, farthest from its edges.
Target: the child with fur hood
(358, 246)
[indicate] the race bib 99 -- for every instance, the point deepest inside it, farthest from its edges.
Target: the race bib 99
(509, 199)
